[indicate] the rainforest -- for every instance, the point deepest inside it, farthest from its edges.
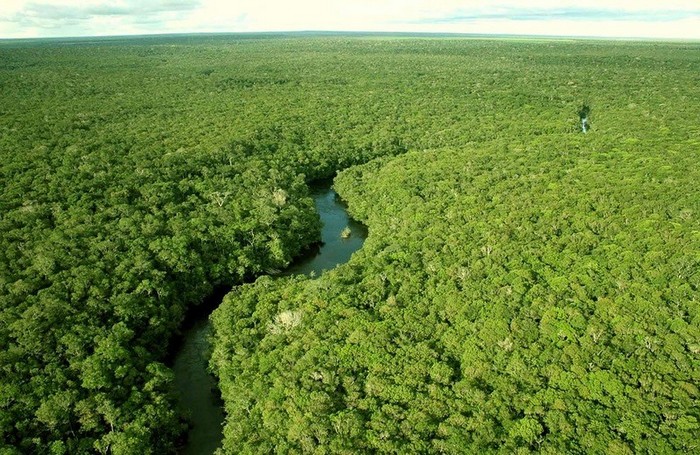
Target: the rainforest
(530, 280)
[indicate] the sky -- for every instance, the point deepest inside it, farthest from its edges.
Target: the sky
(676, 19)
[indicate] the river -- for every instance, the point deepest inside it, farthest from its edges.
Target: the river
(197, 390)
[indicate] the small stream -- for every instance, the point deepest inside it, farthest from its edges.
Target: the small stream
(197, 390)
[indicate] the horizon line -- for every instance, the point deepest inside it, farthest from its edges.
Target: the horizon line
(357, 32)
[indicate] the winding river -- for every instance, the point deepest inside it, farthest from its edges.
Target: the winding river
(197, 389)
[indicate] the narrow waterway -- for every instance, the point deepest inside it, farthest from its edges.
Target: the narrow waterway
(197, 389)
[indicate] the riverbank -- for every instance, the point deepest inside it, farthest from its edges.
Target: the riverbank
(199, 396)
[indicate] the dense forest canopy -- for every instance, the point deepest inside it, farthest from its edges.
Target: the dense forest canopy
(524, 286)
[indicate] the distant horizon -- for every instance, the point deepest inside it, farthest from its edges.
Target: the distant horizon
(627, 19)
(358, 33)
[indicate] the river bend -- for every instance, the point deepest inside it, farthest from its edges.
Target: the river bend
(197, 390)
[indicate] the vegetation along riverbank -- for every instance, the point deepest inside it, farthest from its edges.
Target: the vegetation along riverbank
(524, 286)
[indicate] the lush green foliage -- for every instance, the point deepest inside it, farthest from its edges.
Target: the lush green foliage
(135, 178)
(138, 174)
(536, 291)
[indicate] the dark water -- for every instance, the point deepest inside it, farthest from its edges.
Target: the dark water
(334, 249)
(197, 389)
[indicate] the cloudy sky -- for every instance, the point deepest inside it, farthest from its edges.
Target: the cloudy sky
(615, 18)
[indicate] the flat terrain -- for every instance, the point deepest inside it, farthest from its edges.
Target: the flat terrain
(524, 286)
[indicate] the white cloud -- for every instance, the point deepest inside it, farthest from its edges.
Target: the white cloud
(681, 29)
(35, 18)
